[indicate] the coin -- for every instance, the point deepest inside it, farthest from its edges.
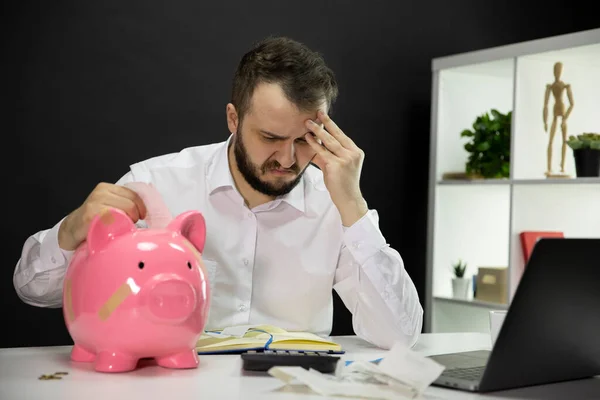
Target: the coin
(56, 375)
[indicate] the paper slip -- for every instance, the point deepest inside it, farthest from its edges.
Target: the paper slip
(240, 331)
(158, 214)
(410, 367)
(401, 374)
(232, 331)
(236, 331)
(336, 386)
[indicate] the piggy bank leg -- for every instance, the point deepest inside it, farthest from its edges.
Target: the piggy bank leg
(185, 359)
(80, 354)
(113, 361)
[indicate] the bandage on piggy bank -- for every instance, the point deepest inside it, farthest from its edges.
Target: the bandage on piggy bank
(131, 293)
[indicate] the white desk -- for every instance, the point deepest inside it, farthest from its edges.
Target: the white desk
(221, 377)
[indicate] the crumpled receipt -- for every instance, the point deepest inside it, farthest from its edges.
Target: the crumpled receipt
(157, 212)
(401, 374)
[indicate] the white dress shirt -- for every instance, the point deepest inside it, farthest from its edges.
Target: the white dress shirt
(274, 264)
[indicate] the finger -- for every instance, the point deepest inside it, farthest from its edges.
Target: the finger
(317, 160)
(132, 195)
(123, 203)
(335, 131)
(327, 139)
(321, 152)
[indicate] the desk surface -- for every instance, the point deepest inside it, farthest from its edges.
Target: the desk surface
(221, 376)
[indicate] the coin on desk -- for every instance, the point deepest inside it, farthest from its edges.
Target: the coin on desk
(56, 375)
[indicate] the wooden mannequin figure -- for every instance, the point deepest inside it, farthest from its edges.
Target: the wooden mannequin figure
(557, 88)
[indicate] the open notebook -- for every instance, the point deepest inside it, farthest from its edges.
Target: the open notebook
(239, 339)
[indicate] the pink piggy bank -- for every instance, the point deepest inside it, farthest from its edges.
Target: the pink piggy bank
(131, 293)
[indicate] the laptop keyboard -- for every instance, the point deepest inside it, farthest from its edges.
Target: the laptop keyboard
(471, 374)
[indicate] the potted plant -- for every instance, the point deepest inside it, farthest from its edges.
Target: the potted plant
(586, 151)
(489, 146)
(460, 285)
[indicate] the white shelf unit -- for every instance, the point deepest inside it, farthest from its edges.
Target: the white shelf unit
(479, 221)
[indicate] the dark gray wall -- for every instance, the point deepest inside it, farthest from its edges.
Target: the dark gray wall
(94, 86)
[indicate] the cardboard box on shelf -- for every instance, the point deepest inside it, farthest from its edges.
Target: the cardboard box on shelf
(492, 284)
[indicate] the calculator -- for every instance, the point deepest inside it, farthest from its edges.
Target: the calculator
(264, 360)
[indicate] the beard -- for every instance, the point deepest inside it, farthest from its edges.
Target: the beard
(251, 172)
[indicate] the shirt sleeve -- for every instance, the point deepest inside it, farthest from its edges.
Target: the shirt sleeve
(375, 287)
(39, 273)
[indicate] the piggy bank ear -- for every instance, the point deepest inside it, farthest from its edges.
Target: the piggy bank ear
(107, 225)
(192, 226)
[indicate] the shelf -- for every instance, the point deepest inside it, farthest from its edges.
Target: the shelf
(473, 302)
(581, 70)
(568, 44)
(471, 224)
(547, 181)
(479, 221)
(480, 88)
(557, 181)
(474, 182)
(551, 208)
(586, 55)
(503, 68)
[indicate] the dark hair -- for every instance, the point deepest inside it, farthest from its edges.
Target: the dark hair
(301, 73)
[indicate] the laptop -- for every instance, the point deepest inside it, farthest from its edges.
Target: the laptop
(551, 332)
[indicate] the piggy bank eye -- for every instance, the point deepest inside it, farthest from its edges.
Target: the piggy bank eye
(189, 265)
(141, 265)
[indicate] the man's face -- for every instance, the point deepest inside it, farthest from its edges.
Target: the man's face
(269, 147)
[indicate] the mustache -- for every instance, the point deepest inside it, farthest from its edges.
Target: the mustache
(269, 165)
(274, 164)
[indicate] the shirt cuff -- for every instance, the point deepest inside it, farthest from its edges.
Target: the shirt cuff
(51, 255)
(364, 238)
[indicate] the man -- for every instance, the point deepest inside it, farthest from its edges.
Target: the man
(280, 231)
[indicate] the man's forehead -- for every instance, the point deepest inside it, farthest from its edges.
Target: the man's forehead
(270, 99)
(277, 125)
(283, 111)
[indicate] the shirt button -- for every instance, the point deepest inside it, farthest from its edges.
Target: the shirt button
(242, 307)
(356, 244)
(246, 261)
(53, 260)
(250, 215)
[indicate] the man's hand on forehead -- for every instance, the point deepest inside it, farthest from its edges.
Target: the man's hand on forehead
(341, 160)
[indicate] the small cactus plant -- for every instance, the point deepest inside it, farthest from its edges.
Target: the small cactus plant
(584, 141)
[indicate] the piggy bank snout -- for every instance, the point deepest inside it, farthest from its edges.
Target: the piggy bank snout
(171, 301)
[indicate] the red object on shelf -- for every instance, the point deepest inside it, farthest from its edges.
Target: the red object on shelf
(530, 238)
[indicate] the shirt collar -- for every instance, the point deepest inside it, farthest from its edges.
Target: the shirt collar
(219, 176)
(218, 173)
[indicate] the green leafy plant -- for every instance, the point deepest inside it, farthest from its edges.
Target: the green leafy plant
(459, 269)
(489, 145)
(584, 141)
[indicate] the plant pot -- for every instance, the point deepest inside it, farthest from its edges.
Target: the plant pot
(460, 288)
(587, 162)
